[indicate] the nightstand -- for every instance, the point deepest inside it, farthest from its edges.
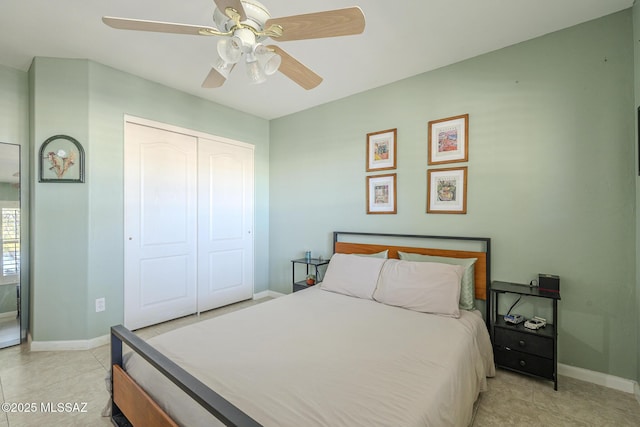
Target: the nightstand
(528, 351)
(310, 263)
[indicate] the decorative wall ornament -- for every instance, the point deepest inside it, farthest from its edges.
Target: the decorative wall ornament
(61, 160)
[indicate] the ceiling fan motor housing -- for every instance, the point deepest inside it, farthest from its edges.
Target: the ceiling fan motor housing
(256, 13)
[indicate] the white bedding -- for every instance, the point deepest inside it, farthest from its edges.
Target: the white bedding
(317, 358)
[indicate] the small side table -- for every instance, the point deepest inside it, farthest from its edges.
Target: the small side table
(313, 263)
(532, 352)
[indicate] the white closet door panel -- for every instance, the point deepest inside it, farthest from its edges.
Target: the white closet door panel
(226, 196)
(163, 279)
(225, 270)
(225, 223)
(160, 225)
(165, 195)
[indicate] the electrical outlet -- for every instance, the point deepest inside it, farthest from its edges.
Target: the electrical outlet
(100, 305)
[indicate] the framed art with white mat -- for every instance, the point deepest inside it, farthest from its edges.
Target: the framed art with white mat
(449, 140)
(447, 190)
(381, 194)
(381, 150)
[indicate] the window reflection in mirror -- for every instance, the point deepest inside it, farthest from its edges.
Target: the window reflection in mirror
(10, 223)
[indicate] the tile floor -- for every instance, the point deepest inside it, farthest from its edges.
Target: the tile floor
(78, 377)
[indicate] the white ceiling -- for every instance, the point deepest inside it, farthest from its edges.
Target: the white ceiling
(401, 39)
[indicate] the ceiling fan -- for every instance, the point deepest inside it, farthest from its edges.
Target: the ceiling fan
(243, 26)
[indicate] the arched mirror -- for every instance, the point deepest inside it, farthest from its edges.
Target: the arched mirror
(10, 244)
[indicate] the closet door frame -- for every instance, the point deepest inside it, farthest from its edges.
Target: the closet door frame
(250, 224)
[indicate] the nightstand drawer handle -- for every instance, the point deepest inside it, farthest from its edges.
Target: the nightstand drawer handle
(522, 343)
(523, 363)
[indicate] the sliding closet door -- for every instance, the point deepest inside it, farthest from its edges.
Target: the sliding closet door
(225, 223)
(160, 225)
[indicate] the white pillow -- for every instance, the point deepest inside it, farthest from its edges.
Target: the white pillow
(428, 287)
(352, 275)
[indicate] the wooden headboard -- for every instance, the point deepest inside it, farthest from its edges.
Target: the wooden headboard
(482, 266)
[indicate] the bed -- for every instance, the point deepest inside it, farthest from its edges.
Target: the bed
(320, 357)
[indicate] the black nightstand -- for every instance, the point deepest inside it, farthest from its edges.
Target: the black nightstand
(313, 262)
(533, 352)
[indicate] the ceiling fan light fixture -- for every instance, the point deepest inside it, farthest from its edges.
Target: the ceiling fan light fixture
(223, 67)
(254, 70)
(269, 60)
(272, 64)
(245, 37)
(230, 50)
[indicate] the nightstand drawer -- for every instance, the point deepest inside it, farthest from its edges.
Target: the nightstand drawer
(524, 342)
(524, 362)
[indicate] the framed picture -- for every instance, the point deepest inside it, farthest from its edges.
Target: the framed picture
(61, 160)
(381, 150)
(449, 140)
(381, 194)
(447, 190)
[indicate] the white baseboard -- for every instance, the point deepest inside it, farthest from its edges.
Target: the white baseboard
(264, 294)
(68, 345)
(606, 380)
(9, 314)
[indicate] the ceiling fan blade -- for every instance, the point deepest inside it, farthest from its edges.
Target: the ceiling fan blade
(295, 70)
(156, 26)
(234, 4)
(332, 23)
(214, 79)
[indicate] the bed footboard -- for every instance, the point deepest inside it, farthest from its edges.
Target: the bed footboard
(129, 402)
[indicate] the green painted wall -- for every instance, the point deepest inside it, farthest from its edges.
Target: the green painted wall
(60, 220)
(78, 228)
(551, 175)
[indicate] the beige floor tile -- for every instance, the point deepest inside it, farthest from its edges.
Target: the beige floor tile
(82, 397)
(45, 369)
(19, 355)
(103, 355)
(519, 400)
(587, 407)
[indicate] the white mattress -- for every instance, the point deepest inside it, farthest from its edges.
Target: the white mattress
(317, 358)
